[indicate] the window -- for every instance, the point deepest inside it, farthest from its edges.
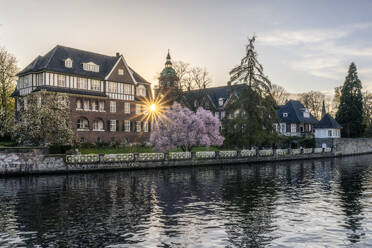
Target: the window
(82, 83)
(61, 80)
(86, 105)
(282, 127)
(90, 67)
(41, 79)
(138, 109)
(127, 126)
(285, 114)
(306, 115)
(113, 87)
(138, 126)
(96, 85)
(112, 125)
(82, 124)
(223, 114)
(330, 133)
(39, 101)
(127, 89)
(98, 125)
(121, 72)
(68, 63)
(293, 128)
(220, 101)
(102, 106)
(127, 108)
(275, 125)
(25, 101)
(112, 106)
(78, 104)
(95, 106)
(141, 91)
(146, 127)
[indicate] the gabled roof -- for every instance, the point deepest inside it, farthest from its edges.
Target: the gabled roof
(214, 93)
(54, 60)
(327, 122)
(294, 110)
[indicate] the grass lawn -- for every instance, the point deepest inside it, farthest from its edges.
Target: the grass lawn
(6, 144)
(112, 150)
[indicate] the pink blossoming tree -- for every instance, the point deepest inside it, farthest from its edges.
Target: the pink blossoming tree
(180, 127)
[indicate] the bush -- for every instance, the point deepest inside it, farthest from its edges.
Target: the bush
(59, 149)
(307, 142)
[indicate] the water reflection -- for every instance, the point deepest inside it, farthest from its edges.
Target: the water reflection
(290, 204)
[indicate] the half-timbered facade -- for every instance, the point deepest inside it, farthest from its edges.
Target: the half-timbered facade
(104, 93)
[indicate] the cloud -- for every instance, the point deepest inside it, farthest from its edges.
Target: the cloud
(320, 52)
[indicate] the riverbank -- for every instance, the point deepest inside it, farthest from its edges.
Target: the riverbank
(36, 161)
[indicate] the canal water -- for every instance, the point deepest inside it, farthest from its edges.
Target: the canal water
(313, 203)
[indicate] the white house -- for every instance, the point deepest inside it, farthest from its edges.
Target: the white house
(326, 130)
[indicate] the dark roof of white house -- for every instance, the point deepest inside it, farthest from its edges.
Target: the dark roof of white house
(215, 93)
(327, 122)
(294, 110)
(54, 61)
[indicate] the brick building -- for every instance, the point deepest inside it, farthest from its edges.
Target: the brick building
(105, 94)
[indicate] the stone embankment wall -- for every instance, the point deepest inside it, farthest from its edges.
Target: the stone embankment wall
(347, 146)
(35, 161)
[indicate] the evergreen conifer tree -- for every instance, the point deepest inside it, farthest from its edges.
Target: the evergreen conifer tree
(350, 111)
(251, 111)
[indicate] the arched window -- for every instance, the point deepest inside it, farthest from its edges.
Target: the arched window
(82, 123)
(98, 125)
(141, 91)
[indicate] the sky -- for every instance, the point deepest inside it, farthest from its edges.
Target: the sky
(303, 45)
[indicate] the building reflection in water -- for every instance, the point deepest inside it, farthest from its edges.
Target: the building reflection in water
(283, 204)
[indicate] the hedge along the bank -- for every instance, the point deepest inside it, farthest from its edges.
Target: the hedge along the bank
(263, 153)
(122, 157)
(179, 155)
(295, 151)
(248, 153)
(82, 159)
(228, 154)
(308, 150)
(205, 155)
(281, 152)
(318, 150)
(150, 156)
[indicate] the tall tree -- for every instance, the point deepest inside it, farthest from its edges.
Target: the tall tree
(251, 111)
(350, 111)
(313, 100)
(45, 121)
(279, 94)
(8, 69)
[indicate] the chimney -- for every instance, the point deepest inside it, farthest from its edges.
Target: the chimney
(117, 55)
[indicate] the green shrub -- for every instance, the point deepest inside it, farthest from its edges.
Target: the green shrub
(307, 142)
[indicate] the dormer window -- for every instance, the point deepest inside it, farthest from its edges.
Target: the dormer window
(306, 115)
(121, 72)
(285, 114)
(68, 63)
(220, 102)
(141, 91)
(90, 67)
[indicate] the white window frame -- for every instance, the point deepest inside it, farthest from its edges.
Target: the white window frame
(112, 106)
(126, 107)
(121, 72)
(138, 109)
(330, 133)
(285, 114)
(283, 127)
(101, 106)
(68, 63)
(112, 125)
(146, 126)
(138, 126)
(127, 126)
(95, 85)
(86, 105)
(82, 83)
(98, 125)
(220, 102)
(293, 127)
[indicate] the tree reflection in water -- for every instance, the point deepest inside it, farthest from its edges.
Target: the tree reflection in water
(317, 203)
